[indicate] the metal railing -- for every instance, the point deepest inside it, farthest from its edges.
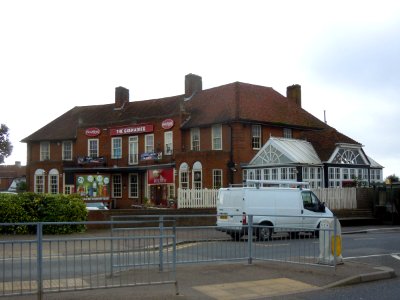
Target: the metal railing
(207, 243)
(143, 250)
(39, 264)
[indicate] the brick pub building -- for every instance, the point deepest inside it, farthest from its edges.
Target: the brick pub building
(127, 153)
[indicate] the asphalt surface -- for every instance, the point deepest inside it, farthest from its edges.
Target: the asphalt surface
(242, 281)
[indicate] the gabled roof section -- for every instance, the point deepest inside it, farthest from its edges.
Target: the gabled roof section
(65, 126)
(285, 151)
(325, 141)
(374, 164)
(242, 102)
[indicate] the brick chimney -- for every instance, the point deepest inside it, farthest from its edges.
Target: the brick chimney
(121, 97)
(293, 93)
(193, 84)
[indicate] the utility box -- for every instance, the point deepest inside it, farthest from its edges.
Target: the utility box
(330, 242)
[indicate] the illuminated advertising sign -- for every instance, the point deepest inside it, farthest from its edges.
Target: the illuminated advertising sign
(133, 129)
(92, 132)
(93, 186)
(167, 124)
(160, 176)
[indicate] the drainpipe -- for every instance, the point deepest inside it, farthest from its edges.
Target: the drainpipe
(231, 164)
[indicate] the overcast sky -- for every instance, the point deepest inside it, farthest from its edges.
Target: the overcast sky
(55, 55)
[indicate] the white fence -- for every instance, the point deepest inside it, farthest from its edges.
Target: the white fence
(194, 198)
(338, 198)
(334, 198)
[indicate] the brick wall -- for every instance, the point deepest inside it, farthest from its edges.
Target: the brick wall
(206, 216)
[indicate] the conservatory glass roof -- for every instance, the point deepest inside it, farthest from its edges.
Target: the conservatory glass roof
(286, 151)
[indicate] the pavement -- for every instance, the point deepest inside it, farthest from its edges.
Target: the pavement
(243, 281)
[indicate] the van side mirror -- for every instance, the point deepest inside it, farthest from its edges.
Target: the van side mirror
(322, 207)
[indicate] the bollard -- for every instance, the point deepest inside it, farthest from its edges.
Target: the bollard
(330, 242)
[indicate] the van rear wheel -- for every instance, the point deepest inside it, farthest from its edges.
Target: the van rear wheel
(236, 236)
(264, 233)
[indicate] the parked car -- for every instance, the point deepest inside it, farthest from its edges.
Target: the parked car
(96, 206)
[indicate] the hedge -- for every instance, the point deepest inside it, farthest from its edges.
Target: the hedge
(31, 207)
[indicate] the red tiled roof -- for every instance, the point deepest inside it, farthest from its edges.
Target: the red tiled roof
(246, 102)
(65, 126)
(235, 102)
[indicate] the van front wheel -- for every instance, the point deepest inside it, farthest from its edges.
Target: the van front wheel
(264, 233)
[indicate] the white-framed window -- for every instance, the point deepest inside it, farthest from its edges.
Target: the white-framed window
(258, 174)
(197, 176)
(93, 148)
(44, 151)
(287, 133)
(363, 174)
(53, 181)
(376, 175)
(116, 181)
(353, 173)
(266, 174)
(67, 150)
(250, 174)
(195, 139)
(168, 146)
(39, 181)
(256, 136)
(274, 174)
(312, 175)
(217, 137)
(244, 175)
(149, 143)
(217, 178)
(133, 186)
(306, 173)
(69, 189)
(116, 148)
(184, 176)
(345, 174)
(171, 191)
(292, 173)
(334, 177)
(133, 150)
(284, 174)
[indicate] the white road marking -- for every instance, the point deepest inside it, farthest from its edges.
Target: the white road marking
(373, 255)
(396, 256)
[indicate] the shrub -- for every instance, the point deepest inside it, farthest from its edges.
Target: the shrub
(12, 212)
(31, 207)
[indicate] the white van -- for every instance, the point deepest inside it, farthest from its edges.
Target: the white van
(275, 208)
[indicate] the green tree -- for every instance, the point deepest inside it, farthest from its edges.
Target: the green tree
(392, 178)
(5, 144)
